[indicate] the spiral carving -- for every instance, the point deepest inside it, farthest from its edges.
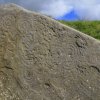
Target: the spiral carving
(7, 21)
(24, 25)
(76, 54)
(81, 42)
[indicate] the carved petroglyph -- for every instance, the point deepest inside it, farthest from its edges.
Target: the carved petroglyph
(41, 59)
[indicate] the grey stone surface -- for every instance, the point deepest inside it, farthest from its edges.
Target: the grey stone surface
(41, 59)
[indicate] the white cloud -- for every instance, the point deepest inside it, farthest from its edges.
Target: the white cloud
(85, 9)
(56, 8)
(35, 5)
(88, 10)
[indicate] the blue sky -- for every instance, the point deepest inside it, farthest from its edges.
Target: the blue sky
(63, 9)
(71, 16)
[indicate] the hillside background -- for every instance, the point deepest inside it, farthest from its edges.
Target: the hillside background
(91, 28)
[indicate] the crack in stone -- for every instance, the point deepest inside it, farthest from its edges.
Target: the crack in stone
(96, 68)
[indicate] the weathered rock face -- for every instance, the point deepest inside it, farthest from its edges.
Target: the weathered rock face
(41, 59)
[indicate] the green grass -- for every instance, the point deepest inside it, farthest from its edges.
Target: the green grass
(91, 28)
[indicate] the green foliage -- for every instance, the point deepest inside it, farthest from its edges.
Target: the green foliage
(91, 28)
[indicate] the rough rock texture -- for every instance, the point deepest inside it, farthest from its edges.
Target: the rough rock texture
(41, 59)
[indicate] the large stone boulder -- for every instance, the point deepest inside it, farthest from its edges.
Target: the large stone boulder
(41, 59)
